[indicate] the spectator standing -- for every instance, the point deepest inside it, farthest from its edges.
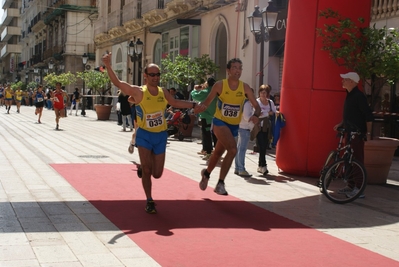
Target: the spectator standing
(76, 101)
(89, 99)
(125, 111)
(199, 94)
(30, 97)
(262, 130)
(244, 134)
(357, 116)
(49, 101)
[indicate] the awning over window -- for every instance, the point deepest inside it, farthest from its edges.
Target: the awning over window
(176, 23)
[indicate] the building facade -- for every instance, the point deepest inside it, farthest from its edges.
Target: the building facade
(37, 34)
(10, 53)
(53, 36)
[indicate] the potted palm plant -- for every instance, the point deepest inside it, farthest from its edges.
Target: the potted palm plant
(374, 54)
(100, 83)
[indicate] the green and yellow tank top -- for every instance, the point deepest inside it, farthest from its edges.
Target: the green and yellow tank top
(230, 103)
(151, 111)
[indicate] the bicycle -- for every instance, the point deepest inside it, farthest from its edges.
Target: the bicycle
(340, 172)
(333, 156)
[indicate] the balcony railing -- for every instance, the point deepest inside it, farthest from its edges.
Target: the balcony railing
(131, 11)
(52, 52)
(36, 59)
(150, 5)
(114, 19)
(384, 9)
(100, 27)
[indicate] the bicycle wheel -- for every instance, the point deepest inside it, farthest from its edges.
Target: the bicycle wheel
(331, 158)
(343, 174)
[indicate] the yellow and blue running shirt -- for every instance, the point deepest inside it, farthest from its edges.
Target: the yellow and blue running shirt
(18, 95)
(230, 103)
(151, 111)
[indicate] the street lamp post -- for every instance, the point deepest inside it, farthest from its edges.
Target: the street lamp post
(51, 65)
(135, 50)
(260, 23)
(85, 57)
(61, 67)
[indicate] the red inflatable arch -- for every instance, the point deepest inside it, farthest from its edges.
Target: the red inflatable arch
(312, 95)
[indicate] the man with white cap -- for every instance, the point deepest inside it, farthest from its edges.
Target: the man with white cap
(357, 115)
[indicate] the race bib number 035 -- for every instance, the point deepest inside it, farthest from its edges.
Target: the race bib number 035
(154, 119)
(231, 111)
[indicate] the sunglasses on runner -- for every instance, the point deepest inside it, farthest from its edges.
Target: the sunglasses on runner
(154, 74)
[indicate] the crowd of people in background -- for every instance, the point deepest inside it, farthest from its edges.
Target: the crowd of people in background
(20, 97)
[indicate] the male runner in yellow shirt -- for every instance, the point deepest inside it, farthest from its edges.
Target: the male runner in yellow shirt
(151, 135)
(230, 95)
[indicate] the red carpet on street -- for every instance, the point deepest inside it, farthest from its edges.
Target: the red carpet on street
(201, 228)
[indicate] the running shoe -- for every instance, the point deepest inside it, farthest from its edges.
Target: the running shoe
(131, 148)
(220, 190)
(150, 207)
(204, 180)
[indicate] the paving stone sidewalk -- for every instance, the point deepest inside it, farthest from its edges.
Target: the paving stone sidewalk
(40, 227)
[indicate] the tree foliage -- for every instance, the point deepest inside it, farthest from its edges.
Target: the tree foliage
(64, 78)
(15, 86)
(96, 80)
(372, 53)
(186, 71)
(32, 85)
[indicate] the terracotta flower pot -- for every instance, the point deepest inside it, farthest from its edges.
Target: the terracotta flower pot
(378, 155)
(103, 112)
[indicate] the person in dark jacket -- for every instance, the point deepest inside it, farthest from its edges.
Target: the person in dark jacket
(357, 116)
(125, 110)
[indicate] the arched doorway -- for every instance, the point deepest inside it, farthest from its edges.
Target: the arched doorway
(220, 49)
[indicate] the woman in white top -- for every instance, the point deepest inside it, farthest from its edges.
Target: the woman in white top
(244, 133)
(263, 137)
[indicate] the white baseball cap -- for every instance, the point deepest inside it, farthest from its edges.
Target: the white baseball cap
(351, 75)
